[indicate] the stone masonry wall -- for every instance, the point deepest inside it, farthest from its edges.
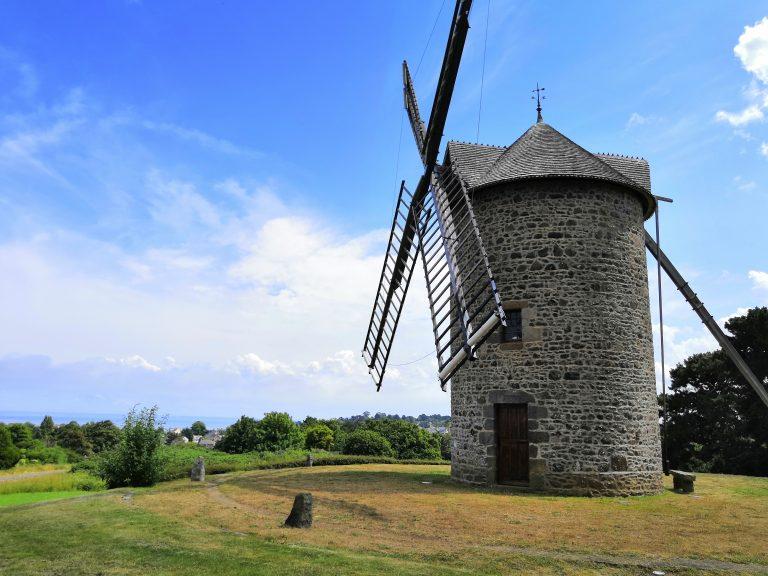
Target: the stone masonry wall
(570, 253)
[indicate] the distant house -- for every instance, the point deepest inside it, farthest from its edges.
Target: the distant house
(210, 439)
(179, 440)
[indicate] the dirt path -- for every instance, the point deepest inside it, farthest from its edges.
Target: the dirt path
(27, 475)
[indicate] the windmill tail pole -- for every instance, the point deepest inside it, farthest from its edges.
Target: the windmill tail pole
(706, 318)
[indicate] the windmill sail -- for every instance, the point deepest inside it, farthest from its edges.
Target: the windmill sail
(463, 298)
(393, 287)
(404, 245)
(707, 319)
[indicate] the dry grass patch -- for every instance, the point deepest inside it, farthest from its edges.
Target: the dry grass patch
(389, 509)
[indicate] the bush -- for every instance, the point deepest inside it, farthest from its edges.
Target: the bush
(408, 440)
(47, 454)
(367, 443)
(9, 454)
(276, 431)
(136, 460)
(319, 436)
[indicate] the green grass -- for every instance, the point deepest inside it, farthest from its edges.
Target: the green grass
(29, 497)
(179, 459)
(57, 482)
(381, 519)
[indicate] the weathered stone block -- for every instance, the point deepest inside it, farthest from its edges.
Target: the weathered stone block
(301, 513)
(197, 474)
(682, 482)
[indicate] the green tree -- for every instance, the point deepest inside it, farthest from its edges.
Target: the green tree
(319, 437)
(198, 428)
(408, 440)
(279, 432)
(187, 433)
(72, 437)
(716, 422)
(22, 434)
(136, 461)
(242, 436)
(9, 454)
(445, 445)
(367, 443)
(46, 430)
(102, 435)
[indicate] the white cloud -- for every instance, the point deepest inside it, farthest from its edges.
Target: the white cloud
(764, 149)
(636, 119)
(201, 138)
(209, 292)
(251, 362)
(752, 49)
(759, 279)
(744, 185)
(135, 361)
(749, 114)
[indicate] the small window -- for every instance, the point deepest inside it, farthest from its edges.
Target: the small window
(513, 331)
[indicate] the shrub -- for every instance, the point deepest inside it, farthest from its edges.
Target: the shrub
(9, 454)
(319, 436)
(47, 454)
(136, 459)
(367, 443)
(408, 440)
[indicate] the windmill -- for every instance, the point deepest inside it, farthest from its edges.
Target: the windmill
(436, 227)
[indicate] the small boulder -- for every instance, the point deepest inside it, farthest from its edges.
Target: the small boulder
(197, 474)
(301, 513)
(682, 482)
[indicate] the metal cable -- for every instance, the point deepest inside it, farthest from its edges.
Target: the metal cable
(665, 442)
(418, 66)
(482, 76)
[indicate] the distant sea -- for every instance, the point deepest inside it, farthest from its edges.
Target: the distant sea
(172, 420)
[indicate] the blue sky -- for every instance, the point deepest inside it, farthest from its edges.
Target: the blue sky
(194, 196)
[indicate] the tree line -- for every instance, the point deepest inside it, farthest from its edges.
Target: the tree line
(716, 423)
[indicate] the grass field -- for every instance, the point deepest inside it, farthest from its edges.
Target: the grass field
(29, 497)
(395, 519)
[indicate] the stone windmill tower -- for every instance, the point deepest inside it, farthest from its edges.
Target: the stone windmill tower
(564, 396)
(535, 265)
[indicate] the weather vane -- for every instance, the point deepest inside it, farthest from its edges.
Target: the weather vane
(538, 99)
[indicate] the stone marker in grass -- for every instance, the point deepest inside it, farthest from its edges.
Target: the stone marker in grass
(197, 474)
(683, 481)
(301, 513)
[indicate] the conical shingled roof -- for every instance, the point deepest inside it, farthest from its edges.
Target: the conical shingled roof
(543, 152)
